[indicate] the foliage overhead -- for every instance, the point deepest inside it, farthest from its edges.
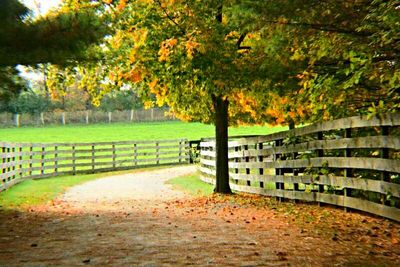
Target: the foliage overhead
(58, 38)
(179, 52)
(348, 52)
(274, 61)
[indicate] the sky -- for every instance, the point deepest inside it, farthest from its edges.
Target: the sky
(44, 5)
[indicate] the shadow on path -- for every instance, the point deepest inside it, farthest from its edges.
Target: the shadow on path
(135, 220)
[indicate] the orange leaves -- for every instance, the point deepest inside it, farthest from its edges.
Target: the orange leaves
(283, 109)
(152, 85)
(232, 35)
(121, 5)
(115, 75)
(160, 91)
(132, 56)
(139, 37)
(183, 116)
(117, 39)
(191, 47)
(134, 76)
(166, 49)
(245, 104)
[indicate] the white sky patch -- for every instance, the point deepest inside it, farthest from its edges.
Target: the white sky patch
(41, 7)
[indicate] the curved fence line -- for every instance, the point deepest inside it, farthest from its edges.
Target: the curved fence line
(21, 161)
(85, 117)
(352, 162)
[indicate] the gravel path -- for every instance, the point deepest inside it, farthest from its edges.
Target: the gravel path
(136, 220)
(149, 185)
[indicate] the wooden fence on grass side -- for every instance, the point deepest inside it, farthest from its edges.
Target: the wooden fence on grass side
(85, 117)
(352, 162)
(38, 160)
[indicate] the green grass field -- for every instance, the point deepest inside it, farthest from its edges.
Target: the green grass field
(192, 185)
(35, 192)
(124, 132)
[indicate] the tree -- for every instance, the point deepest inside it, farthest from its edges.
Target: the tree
(60, 38)
(57, 38)
(11, 84)
(235, 61)
(192, 56)
(29, 102)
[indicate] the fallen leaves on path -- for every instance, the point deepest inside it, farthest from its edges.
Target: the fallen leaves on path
(218, 230)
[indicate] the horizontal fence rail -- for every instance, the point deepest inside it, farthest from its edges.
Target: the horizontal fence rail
(352, 162)
(20, 161)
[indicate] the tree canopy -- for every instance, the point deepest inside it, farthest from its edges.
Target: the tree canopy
(241, 61)
(57, 38)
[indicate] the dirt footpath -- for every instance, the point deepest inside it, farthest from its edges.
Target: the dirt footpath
(136, 220)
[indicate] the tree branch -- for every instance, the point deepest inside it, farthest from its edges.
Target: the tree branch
(169, 17)
(321, 27)
(240, 41)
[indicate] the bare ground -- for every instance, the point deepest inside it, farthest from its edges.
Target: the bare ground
(136, 220)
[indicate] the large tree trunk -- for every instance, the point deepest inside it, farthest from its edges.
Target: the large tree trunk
(221, 136)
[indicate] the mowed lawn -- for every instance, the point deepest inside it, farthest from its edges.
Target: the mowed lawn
(124, 132)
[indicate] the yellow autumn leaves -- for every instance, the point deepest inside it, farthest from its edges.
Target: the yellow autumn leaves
(166, 49)
(191, 46)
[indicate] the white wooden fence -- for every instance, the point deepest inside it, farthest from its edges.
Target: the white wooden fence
(352, 162)
(84, 117)
(21, 161)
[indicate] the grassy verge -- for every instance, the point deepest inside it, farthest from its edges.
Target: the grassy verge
(191, 184)
(41, 191)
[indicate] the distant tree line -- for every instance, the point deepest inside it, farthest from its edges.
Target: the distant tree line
(33, 102)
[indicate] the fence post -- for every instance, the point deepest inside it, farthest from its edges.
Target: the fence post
(135, 154)
(295, 172)
(348, 172)
(42, 160)
(385, 154)
(63, 118)
(157, 153)
(93, 154)
(237, 161)
(20, 161)
(8, 161)
(113, 155)
(260, 159)
(56, 159)
(87, 116)
(41, 118)
(131, 116)
(17, 120)
(247, 158)
(180, 151)
(320, 154)
(109, 117)
(30, 159)
(13, 161)
(278, 171)
(73, 160)
(152, 114)
(3, 160)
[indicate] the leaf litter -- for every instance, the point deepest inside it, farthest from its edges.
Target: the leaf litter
(217, 230)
